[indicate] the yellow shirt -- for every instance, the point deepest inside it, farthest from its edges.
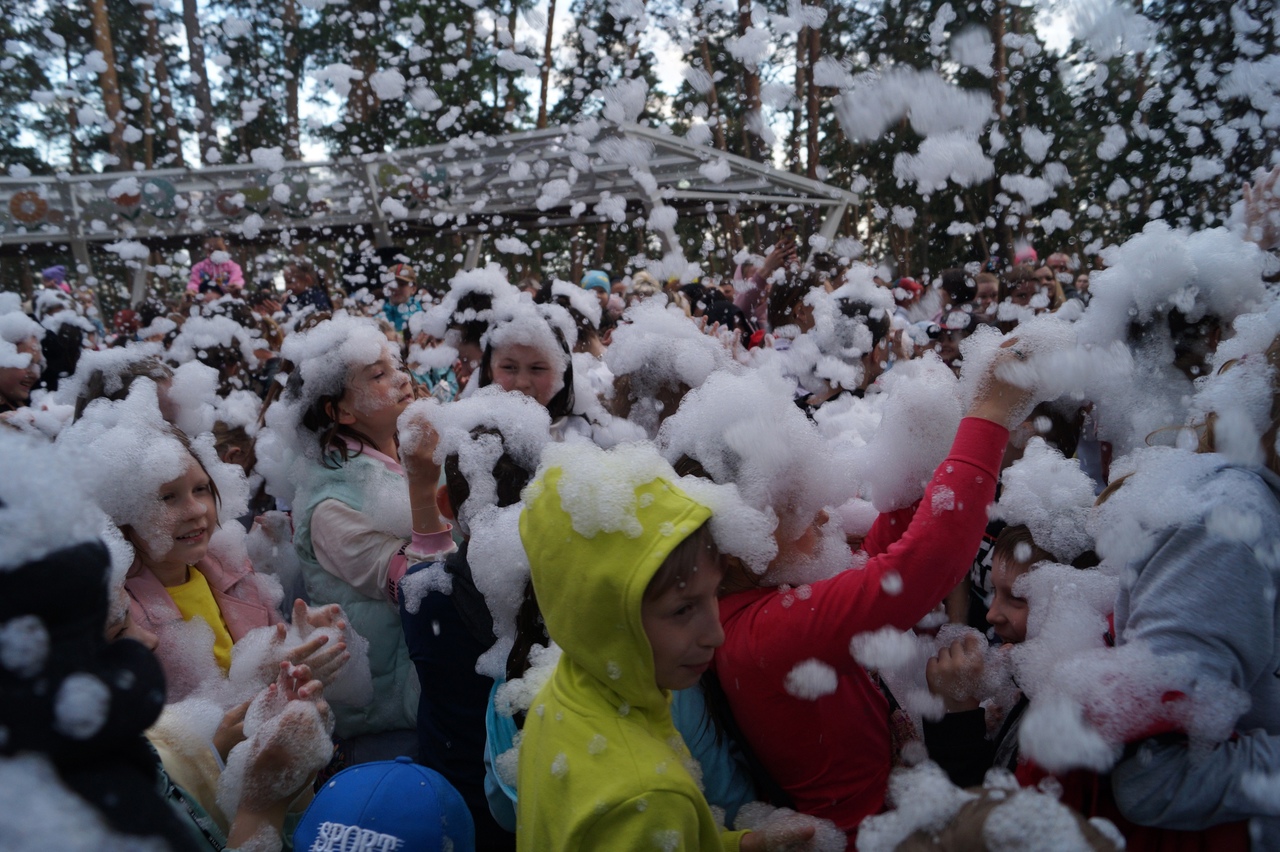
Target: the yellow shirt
(195, 598)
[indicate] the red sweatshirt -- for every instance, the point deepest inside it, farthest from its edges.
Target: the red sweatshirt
(833, 754)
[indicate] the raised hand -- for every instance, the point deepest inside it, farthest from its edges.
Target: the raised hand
(955, 674)
(1262, 210)
(999, 398)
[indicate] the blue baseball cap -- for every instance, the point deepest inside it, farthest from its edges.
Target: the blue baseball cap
(596, 279)
(392, 805)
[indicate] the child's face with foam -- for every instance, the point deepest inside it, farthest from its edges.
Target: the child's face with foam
(1008, 612)
(683, 625)
(376, 394)
(526, 369)
(186, 514)
(16, 382)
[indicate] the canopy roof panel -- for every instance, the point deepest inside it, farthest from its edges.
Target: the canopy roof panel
(586, 173)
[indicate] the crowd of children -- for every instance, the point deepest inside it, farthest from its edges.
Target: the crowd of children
(816, 559)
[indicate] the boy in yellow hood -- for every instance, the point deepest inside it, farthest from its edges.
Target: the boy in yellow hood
(628, 592)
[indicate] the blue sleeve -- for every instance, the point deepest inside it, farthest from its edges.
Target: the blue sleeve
(500, 736)
(725, 780)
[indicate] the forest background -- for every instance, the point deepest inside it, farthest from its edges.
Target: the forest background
(1086, 119)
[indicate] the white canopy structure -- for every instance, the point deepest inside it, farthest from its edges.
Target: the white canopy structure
(593, 172)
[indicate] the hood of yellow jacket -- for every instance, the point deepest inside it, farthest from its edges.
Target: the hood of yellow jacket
(591, 590)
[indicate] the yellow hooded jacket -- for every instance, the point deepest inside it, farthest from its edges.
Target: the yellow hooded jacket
(601, 763)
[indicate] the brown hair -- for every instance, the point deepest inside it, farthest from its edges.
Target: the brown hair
(1006, 548)
(787, 296)
(319, 420)
(226, 437)
(508, 475)
(681, 562)
(95, 386)
(1007, 544)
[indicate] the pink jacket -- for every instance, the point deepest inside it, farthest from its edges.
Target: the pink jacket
(242, 601)
(228, 274)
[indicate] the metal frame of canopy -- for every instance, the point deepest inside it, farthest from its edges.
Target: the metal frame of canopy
(536, 179)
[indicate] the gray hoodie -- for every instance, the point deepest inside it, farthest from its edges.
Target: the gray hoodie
(1208, 588)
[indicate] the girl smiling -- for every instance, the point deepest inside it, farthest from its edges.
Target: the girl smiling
(361, 517)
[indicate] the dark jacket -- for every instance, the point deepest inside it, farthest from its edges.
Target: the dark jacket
(446, 636)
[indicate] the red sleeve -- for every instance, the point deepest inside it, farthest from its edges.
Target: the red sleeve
(916, 557)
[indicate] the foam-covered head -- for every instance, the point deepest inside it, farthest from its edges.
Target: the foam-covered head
(325, 357)
(525, 352)
(1239, 402)
(109, 372)
(473, 296)
(478, 431)
(1212, 272)
(1052, 496)
(215, 340)
(127, 452)
(745, 429)
(596, 528)
(16, 328)
(663, 354)
(580, 300)
(35, 517)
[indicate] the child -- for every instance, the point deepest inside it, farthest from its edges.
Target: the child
(523, 352)
(448, 623)
(175, 575)
(958, 742)
(394, 804)
(21, 361)
(832, 752)
(360, 518)
(632, 603)
(217, 274)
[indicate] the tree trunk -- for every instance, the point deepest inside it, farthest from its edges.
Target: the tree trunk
(602, 242)
(546, 66)
(73, 120)
(148, 126)
(713, 98)
(752, 143)
(110, 83)
(293, 70)
(575, 256)
(718, 129)
(1000, 89)
(156, 57)
(797, 110)
(362, 101)
(999, 80)
(200, 79)
(510, 107)
(813, 118)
